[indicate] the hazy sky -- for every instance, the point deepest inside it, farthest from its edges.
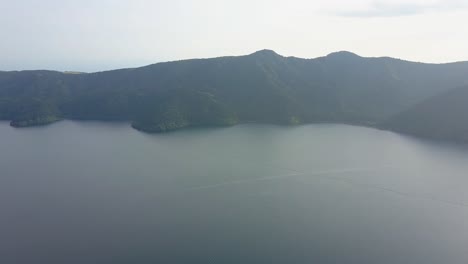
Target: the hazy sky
(93, 35)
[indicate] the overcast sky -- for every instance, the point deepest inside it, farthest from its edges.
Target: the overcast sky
(94, 35)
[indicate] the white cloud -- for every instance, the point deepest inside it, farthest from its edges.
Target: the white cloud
(381, 8)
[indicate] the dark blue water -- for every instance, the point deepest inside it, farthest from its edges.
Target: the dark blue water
(86, 192)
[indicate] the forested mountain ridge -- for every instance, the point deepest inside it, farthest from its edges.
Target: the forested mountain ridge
(260, 87)
(444, 116)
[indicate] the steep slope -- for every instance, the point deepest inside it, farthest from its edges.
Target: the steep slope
(260, 87)
(443, 116)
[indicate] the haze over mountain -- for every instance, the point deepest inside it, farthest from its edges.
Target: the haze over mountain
(261, 87)
(441, 117)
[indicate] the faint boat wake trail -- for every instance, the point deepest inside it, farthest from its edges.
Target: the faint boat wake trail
(317, 173)
(331, 175)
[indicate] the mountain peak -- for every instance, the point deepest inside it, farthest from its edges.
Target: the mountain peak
(265, 52)
(343, 54)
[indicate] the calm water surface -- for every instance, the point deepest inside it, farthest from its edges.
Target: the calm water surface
(89, 192)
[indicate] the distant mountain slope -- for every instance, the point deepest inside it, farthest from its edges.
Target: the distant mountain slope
(260, 87)
(443, 116)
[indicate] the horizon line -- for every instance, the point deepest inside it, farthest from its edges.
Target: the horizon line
(237, 56)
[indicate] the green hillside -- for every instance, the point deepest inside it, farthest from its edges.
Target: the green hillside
(260, 87)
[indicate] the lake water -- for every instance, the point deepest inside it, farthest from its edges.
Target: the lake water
(91, 192)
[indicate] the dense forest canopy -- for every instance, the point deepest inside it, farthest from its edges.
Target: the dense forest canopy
(260, 87)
